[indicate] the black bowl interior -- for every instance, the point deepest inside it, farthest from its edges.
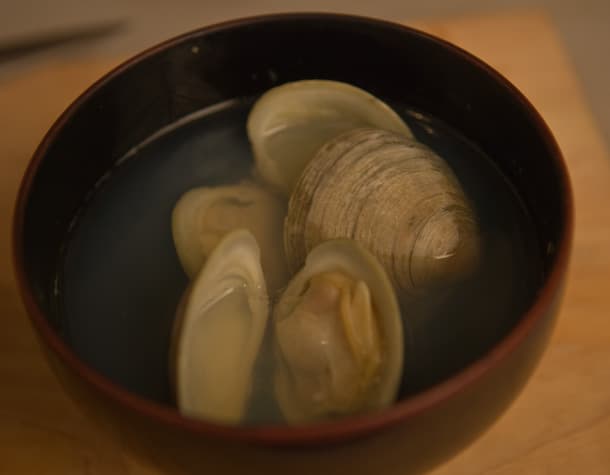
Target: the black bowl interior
(243, 59)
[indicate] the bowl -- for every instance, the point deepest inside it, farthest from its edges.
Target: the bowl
(197, 71)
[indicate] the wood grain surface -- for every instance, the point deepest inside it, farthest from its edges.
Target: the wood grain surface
(561, 422)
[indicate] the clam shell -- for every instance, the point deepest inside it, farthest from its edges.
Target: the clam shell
(393, 195)
(289, 123)
(204, 215)
(317, 377)
(218, 332)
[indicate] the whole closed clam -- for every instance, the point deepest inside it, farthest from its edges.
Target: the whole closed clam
(338, 336)
(393, 195)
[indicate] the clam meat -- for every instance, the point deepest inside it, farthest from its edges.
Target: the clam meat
(203, 216)
(338, 336)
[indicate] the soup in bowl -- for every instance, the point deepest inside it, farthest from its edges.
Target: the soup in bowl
(445, 207)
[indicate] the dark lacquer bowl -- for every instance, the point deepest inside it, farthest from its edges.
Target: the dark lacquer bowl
(243, 59)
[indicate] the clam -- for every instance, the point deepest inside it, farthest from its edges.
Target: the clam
(393, 195)
(338, 336)
(218, 332)
(290, 122)
(203, 216)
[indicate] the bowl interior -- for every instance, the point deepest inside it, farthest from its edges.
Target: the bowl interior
(109, 289)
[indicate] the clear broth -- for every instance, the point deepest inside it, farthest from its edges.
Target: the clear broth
(121, 280)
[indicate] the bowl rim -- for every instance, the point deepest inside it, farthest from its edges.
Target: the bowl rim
(318, 433)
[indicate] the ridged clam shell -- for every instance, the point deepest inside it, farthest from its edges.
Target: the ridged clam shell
(393, 195)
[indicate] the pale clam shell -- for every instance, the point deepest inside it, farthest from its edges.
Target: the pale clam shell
(204, 215)
(308, 349)
(393, 195)
(218, 332)
(290, 122)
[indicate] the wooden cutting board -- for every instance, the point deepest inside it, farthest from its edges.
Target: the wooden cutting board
(561, 422)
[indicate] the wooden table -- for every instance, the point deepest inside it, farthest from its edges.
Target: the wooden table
(561, 422)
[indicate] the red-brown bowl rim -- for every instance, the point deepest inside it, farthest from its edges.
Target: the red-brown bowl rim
(335, 431)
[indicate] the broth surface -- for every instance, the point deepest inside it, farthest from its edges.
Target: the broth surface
(121, 280)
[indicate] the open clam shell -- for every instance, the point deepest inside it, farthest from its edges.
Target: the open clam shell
(218, 332)
(338, 336)
(290, 122)
(203, 216)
